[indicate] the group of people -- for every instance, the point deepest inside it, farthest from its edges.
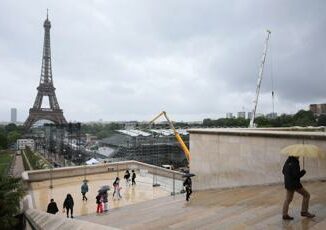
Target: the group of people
(101, 198)
(127, 178)
(291, 171)
(68, 206)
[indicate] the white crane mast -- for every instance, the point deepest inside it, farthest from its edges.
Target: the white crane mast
(260, 77)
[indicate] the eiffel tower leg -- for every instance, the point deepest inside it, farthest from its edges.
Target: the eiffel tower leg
(29, 122)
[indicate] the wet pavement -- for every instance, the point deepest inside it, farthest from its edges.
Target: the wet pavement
(142, 191)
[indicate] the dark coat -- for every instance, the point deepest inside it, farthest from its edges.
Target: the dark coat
(68, 203)
(98, 199)
(292, 174)
(187, 183)
(84, 188)
(127, 175)
(52, 208)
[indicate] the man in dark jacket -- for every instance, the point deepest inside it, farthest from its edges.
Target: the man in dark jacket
(188, 185)
(68, 204)
(84, 190)
(52, 207)
(292, 175)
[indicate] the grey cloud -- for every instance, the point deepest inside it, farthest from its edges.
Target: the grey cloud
(126, 60)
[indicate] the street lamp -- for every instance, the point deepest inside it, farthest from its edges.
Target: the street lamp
(155, 184)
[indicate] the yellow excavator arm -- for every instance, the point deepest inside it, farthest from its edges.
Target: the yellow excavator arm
(177, 135)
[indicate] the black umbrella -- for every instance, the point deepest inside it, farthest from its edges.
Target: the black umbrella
(104, 188)
(188, 175)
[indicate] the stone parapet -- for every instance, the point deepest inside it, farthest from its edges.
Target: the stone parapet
(38, 220)
(223, 158)
(56, 173)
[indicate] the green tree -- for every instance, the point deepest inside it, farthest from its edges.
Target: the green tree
(13, 136)
(11, 192)
(3, 141)
(11, 127)
(263, 122)
(321, 120)
(304, 118)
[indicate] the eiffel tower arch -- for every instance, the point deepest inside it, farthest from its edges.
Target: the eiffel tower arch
(45, 88)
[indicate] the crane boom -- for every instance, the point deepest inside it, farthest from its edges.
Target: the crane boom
(260, 77)
(177, 135)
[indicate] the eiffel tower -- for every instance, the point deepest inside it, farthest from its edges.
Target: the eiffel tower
(45, 88)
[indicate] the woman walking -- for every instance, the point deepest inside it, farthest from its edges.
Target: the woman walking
(117, 188)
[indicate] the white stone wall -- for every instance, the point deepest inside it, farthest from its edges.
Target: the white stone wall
(221, 159)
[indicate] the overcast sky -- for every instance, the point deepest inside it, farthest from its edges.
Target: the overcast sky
(129, 60)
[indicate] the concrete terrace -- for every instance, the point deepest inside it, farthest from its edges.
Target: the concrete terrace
(143, 191)
(254, 207)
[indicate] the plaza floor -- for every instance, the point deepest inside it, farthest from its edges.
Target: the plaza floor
(255, 207)
(142, 191)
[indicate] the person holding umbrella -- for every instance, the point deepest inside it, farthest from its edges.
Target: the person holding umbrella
(104, 195)
(292, 174)
(99, 200)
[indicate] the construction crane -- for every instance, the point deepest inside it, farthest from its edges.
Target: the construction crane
(177, 135)
(260, 77)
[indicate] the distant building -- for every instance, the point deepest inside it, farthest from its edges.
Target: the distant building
(22, 143)
(13, 115)
(155, 146)
(318, 109)
(130, 124)
(249, 115)
(229, 115)
(271, 115)
(241, 114)
(259, 115)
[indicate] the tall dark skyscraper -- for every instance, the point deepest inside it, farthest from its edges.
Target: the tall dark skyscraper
(13, 115)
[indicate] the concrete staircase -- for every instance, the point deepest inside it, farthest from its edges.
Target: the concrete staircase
(257, 207)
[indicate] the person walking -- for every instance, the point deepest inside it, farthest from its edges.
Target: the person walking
(68, 204)
(52, 207)
(84, 190)
(133, 177)
(117, 188)
(99, 201)
(127, 177)
(105, 201)
(188, 185)
(292, 174)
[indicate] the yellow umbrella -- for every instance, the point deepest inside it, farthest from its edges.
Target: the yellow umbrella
(303, 150)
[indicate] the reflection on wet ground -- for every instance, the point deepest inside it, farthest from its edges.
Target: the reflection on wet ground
(142, 191)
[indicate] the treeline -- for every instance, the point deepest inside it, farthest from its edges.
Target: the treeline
(9, 135)
(101, 130)
(301, 118)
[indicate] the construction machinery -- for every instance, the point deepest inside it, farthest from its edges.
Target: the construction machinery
(260, 77)
(177, 135)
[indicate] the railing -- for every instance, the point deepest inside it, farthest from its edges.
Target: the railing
(118, 167)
